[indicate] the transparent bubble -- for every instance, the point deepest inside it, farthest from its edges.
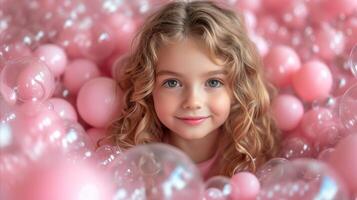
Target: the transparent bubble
(352, 61)
(75, 143)
(296, 147)
(348, 109)
(275, 165)
(218, 187)
(304, 179)
(156, 171)
(26, 79)
(105, 155)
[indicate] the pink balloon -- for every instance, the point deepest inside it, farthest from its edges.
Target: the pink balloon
(99, 101)
(344, 161)
(294, 14)
(57, 178)
(329, 42)
(74, 40)
(341, 7)
(123, 28)
(281, 63)
(313, 81)
(54, 56)
(287, 111)
(245, 186)
(251, 5)
(63, 108)
(78, 72)
(350, 27)
(260, 43)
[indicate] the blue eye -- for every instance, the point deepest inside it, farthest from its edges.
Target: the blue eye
(171, 83)
(214, 83)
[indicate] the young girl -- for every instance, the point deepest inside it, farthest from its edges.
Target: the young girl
(193, 80)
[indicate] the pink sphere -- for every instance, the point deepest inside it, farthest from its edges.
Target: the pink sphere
(344, 161)
(78, 72)
(340, 7)
(350, 27)
(63, 108)
(313, 81)
(60, 179)
(245, 186)
(123, 28)
(251, 5)
(281, 63)
(99, 101)
(329, 42)
(54, 56)
(287, 111)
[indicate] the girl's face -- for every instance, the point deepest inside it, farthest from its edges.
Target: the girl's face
(191, 94)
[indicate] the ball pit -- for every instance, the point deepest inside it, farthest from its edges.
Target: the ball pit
(58, 94)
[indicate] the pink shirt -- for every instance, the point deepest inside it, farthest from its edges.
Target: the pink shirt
(206, 166)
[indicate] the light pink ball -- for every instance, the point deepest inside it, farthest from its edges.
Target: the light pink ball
(63, 108)
(251, 5)
(54, 56)
(313, 81)
(78, 72)
(341, 7)
(344, 161)
(287, 111)
(329, 42)
(99, 101)
(60, 179)
(281, 63)
(245, 186)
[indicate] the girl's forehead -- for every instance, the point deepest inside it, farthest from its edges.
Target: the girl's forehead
(187, 54)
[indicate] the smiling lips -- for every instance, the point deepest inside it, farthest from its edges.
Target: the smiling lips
(193, 120)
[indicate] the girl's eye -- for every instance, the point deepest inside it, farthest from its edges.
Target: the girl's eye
(171, 83)
(214, 83)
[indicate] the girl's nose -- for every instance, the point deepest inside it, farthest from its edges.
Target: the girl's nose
(193, 100)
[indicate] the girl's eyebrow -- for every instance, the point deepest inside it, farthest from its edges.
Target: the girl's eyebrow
(211, 73)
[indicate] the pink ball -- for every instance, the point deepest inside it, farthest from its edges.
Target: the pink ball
(344, 161)
(350, 27)
(313, 81)
(123, 28)
(287, 111)
(281, 63)
(59, 179)
(54, 56)
(63, 108)
(78, 72)
(251, 5)
(341, 7)
(245, 186)
(99, 101)
(329, 42)
(295, 13)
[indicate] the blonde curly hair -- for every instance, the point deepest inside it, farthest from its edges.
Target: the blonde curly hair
(250, 134)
